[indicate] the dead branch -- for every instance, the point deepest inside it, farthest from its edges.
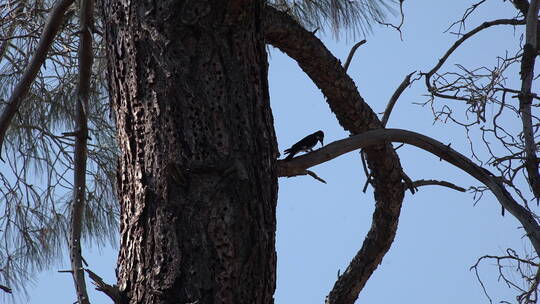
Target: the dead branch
(525, 97)
(404, 84)
(112, 291)
(51, 27)
(79, 200)
(523, 266)
(351, 54)
(402, 20)
(5, 289)
(432, 182)
(310, 173)
(483, 26)
(375, 137)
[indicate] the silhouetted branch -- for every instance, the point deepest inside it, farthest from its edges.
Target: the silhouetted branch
(523, 266)
(402, 20)
(112, 291)
(51, 27)
(5, 289)
(404, 84)
(351, 54)
(315, 176)
(376, 137)
(456, 44)
(525, 97)
(355, 115)
(432, 182)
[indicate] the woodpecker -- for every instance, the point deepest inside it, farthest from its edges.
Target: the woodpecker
(306, 144)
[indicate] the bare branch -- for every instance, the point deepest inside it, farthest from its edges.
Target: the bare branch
(351, 54)
(5, 289)
(525, 97)
(432, 182)
(79, 199)
(404, 84)
(315, 176)
(310, 173)
(523, 266)
(456, 44)
(409, 184)
(375, 137)
(49, 32)
(110, 290)
(402, 20)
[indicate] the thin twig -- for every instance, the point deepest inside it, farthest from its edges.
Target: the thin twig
(402, 20)
(315, 176)
(456, 44)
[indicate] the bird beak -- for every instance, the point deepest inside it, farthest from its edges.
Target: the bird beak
(322, 144)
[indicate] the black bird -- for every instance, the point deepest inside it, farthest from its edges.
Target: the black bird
(306, 144)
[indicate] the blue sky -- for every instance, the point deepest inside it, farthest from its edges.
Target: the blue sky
(321, 226)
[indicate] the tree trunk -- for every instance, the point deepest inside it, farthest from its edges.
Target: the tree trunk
(197, 172)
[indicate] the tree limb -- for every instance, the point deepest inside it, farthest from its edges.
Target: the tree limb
(355, 115)
(351, 54)
(375, 137)
(79, 175)
(112, 291)
(390, 106)
(52, 26)
(432, 182)
(525, 97)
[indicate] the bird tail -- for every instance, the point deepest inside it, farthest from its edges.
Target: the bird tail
(291, 154)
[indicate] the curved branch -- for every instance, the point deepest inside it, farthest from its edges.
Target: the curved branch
(351, 54)
(456, 44)
(355, 116)
(376, 137)
(54, 21)
(432, 182)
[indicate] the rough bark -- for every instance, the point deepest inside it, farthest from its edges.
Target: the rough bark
(355, 115)
(530, 50)
(197, 176)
